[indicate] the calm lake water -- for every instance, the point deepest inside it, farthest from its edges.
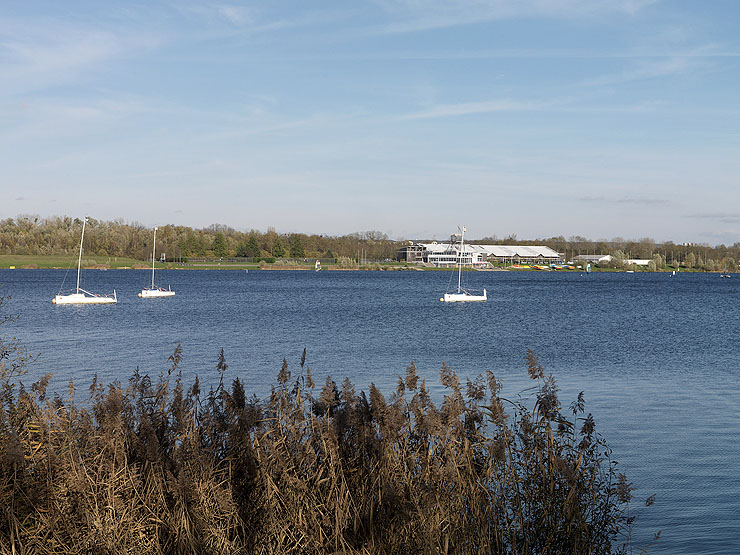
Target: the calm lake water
(657, 356)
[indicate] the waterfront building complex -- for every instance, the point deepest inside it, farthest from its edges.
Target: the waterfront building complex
(444, 255)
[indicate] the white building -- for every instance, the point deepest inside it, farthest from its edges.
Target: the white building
(447, 254)
(594, 258)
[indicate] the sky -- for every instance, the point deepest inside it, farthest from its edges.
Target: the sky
(538, 118)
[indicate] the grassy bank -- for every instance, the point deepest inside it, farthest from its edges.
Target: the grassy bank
(64, 262)
(88, 261)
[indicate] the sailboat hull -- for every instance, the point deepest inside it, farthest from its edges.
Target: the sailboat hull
(152, 293)
(464, 297)
(81, 298)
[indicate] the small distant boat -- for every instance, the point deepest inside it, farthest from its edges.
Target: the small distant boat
(80, 296)
(154, 291)
(462, 295)
(724, 273)
(317, 266)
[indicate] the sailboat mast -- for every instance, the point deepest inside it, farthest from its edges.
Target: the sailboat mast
(79, 260)
(459, 260)
(154, 251)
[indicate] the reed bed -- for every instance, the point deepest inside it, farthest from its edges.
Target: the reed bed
(153, 466)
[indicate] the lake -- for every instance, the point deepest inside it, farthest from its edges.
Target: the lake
(656, 356)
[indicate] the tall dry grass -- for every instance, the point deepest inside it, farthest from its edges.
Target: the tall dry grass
(155, 467)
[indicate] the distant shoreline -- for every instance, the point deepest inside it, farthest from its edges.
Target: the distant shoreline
(272, 268)
(53, 262)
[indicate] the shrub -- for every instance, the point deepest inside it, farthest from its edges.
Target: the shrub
(347, 263)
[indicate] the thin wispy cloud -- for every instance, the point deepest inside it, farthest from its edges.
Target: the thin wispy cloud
(319, 19)
(648, 69)
(725, 236)
(473, 108)
(628, 200)
(149, 175)
(416, 15)
(237, 15)
(210, 13)
(564, 105)
(47, 52)
(273, 126)
(56, 117)
(30, 63)
(723, 217)
(213, 20)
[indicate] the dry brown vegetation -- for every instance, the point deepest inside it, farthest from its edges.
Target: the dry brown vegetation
(155, 467)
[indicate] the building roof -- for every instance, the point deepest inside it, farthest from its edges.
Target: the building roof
(593, 257)
(520, 251)
(437, 247)
(499, 251)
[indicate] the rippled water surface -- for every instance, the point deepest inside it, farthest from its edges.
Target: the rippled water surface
(657, 356)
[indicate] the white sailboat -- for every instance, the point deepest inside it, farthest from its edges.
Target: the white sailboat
(80, 296)
(724, 273)
(462, 295)
(152, 290)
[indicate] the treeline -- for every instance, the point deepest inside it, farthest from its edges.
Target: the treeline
(156, 466)
(31, 235)
(61, 235)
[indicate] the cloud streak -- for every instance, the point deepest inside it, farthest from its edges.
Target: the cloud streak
(47, 52)
(54, 117)
(473, 108)
(415, 16)
(722, 217)
(649, 69)
(629, 200)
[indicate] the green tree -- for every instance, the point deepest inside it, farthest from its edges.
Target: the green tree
(253, 248)
(219, 245)
(690, 260)
(192, 245)
(618, 259)
(296, 247)
(278, 250)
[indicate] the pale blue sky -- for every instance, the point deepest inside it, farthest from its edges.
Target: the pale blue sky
(600, 118)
